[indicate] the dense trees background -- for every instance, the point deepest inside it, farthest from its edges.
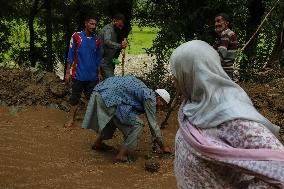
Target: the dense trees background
(182, 20)
(51, 24)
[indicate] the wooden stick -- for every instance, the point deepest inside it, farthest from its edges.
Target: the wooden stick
(123, 57)
(259, 26)
(174, 101)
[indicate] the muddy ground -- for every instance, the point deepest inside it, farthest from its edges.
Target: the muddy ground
(37, 152)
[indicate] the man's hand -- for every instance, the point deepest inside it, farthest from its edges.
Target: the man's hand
(163, 149)
(67, 77)
(166, 150)
(100, 77)
(123, 44)
(67, 74)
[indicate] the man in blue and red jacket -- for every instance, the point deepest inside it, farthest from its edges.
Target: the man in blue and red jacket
(85, 56)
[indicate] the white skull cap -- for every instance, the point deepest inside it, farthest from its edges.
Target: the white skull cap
(164, 94)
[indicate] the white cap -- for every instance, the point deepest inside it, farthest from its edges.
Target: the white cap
(164, 94)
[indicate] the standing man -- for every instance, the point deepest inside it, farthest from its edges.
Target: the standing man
(85, 55)
(110, 44)
(116, 103)
(226, 43)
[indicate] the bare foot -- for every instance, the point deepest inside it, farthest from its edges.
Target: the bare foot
(69, 124)
(122, 154)
(71, 116)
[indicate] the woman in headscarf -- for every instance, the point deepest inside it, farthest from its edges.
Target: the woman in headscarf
(223, 141)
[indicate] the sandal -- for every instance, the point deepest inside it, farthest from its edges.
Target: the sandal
(103, 147)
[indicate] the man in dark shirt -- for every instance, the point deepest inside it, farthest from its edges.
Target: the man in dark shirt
(110, 44)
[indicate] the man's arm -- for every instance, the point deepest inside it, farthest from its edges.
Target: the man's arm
(150, 109)
(67, 75)
(70, 57)
(112, 44)
(223, 47)
(99, 50)
(108, 41)
(228, 47)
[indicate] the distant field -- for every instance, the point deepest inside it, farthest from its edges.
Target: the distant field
(140, 38)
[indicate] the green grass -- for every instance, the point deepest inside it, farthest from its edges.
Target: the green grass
(140, 38)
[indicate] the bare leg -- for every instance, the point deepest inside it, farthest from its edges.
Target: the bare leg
(131, 137)
(72, 115)
(122, 155)
(98, 142)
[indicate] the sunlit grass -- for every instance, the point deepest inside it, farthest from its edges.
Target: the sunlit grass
(140, 38)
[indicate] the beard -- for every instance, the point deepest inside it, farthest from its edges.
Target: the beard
(219, 29)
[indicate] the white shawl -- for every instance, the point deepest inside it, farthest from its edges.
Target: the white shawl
(211, 97)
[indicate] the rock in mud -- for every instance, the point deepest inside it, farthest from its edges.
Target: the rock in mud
(59, 89)
(152, 166)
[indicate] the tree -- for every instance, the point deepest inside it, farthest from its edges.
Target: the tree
(34, 10)
(183, 20)
(48, 24)
(277, 51)
(51, 24)
(256, 10)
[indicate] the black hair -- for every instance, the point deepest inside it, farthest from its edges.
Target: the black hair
(89, 17)
(119, 16)
(224, 16)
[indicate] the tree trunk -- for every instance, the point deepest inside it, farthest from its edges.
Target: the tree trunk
(279, 45)
(68, 33)
(48, 24)
(33, 12)
(256, 12)
(81, 15)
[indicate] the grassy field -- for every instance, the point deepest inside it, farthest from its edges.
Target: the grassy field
(140, 38)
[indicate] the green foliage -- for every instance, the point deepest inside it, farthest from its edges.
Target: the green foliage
(165, 25)
(18, 40)
(183, 20)
(17, 36)
(67, 16)
(159, 76)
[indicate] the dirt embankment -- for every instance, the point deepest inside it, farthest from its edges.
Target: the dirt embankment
(268, 98)
(26, 88)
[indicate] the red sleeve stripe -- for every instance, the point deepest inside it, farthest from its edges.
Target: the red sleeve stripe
(78, 42)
